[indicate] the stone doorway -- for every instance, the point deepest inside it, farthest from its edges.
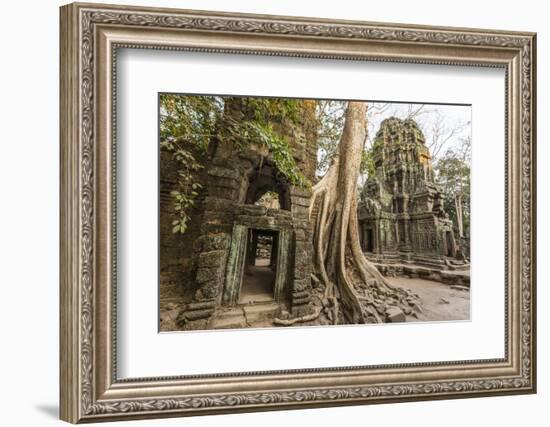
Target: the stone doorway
(260, 270)
(258, 265)
(369, 244)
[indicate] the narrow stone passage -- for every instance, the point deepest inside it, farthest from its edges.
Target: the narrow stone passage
(258, 282)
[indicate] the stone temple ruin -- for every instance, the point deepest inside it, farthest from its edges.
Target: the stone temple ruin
(242, 252)
(402, 219)
(243, 261)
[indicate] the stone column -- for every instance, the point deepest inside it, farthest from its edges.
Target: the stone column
(210, 277)
(210, 258)
(303, 252)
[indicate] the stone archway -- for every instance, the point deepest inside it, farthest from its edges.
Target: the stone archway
(266, 178)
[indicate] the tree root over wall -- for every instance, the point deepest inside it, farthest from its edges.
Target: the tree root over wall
(354, 290)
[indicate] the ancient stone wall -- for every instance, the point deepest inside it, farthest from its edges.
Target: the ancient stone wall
(176, 250)
(232, 181)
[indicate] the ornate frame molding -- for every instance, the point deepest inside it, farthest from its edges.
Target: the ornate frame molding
(90, 35)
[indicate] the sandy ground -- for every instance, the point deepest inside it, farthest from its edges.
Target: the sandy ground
(439, 301)
(257, 284)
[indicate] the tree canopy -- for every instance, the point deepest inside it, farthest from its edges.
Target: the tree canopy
(452, 173)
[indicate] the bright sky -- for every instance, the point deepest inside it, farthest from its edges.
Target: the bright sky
(445, 127)
(449, 123)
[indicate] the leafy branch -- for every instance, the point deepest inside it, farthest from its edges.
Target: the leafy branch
(187, 189)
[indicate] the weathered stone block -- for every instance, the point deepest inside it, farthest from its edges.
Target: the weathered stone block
(395, 315)
(301, 201)
(222, 192)
(194, 315)
(217, 204)
(301, 221)
(202, 305)
(301, 310)
(300, 191)
(302, 285)
(212, 259)
(222, 172)
(258, 312)
(216, 228)
(303, 258)
(206, 275)
(212, 242)
(302, 236)
(300, 301)
(252, 210)
(196, 325)
(228, 319)
(299, 294)
(302, 273)
(258, 221)
(208, 291)
(217, 215)
(228, 183)
(300, 210)
(280, 214)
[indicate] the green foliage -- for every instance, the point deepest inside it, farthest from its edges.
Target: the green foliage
(452, 173)
(192, 118)
(267, 122)
(188, 186)
(367, 163)
(331, 116)
(181, 320)
(189, 123)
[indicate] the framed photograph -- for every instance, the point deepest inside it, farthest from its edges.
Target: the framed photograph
(267, 212)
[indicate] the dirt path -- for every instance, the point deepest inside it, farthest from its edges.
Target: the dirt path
(439, 301)
(257, 284)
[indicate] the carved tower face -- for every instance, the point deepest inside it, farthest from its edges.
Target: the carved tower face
(402, 160)
(403, 205)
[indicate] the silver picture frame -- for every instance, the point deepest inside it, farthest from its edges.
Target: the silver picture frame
(90, 37)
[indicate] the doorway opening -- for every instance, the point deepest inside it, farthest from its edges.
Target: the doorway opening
(260, 270)
(450, 244)
(268, 188)
(369, 246)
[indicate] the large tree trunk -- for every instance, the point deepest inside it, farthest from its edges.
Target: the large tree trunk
(458, 208)
(354, 290)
